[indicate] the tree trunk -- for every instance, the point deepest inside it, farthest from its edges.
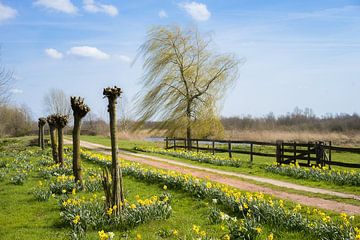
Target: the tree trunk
(60, 147)
(188, 127)
(53, 145)
(39, 137)
(76, 149)
(188, 137)
(42, 137)
(116, 170)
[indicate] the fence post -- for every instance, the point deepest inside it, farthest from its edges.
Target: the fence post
(229, 148)
(251, 152)
(166, 143)
(309, 153)
(319, 150)
(174, 143)
(185, 148)
(197, 145)
(330, 155)
(322, 154)
(282, 151)
(294, 151)
(213, 147)
(279, 146)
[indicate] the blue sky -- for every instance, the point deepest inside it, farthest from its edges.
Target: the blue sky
(298, 53)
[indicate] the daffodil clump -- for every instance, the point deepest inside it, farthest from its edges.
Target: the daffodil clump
(82, 214)
(316, 173)
(51, 170)
(264, 210)
(41, 192)
(194, 156)
(19, 168)
(199, 233)
(105, 235)
(63, 184)
(168, 233)
(19, 178)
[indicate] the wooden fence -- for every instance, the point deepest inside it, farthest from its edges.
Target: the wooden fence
(305, 154)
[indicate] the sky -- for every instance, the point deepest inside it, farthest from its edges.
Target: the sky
(297, 53)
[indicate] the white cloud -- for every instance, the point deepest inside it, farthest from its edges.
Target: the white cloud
(89, 52)
(65, 6)
(94, 7)
(197, 11)
(53, 53)
(162, 14)
(16, 91)
(6, 12)
(123, 58)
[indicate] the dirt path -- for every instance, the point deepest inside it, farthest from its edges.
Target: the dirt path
(220, 176)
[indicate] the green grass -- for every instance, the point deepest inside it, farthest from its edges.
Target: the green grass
(123, 144)
(21, 217)
(257, 168)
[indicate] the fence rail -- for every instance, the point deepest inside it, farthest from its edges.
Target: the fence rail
(284, 152)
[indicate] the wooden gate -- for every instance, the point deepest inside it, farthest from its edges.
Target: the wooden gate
(304, 154)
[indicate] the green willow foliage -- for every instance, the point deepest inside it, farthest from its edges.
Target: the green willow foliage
(183, 81)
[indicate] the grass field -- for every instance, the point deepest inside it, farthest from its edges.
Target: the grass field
(257, 168)
(22, 217)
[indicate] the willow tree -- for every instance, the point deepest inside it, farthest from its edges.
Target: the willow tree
(41, 124)
(52, 127)
(61, 121)
(183, 79)
(116, 196)
(79, 110)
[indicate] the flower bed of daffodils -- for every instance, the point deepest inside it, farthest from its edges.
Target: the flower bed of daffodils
(194, 156)
(252, 207)
(351, 178)
(82, 214)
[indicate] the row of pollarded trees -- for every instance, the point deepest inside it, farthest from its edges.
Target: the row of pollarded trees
(113, 186)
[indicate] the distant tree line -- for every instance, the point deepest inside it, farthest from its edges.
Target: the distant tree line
(15, 121)
(298, 120)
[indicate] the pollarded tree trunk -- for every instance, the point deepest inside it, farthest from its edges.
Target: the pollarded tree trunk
(80, 110)
(60, 147)
(188, 127)
(61, 121)
(117, 182)
(52, 126)
(53, 144)
(42, 138)
(41, 123)
(39, 135)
